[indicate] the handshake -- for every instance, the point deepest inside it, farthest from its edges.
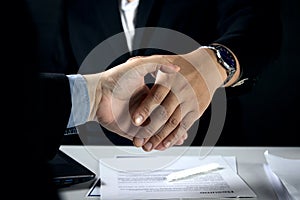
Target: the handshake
(157, 117)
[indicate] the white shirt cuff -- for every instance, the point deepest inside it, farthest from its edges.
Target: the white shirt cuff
(80, 100)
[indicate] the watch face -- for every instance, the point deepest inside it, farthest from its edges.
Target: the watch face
(227, 56)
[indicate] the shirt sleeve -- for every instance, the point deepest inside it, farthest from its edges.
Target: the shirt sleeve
(80, 100)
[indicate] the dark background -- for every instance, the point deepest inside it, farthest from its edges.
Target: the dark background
(271, 110)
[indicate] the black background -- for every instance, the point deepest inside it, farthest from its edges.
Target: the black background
(271, 110)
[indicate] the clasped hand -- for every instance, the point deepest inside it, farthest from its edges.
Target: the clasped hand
(157, 117)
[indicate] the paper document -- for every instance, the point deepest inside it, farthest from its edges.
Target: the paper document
(139, 181)
(94, 191)
(279, 188)
(287, 170)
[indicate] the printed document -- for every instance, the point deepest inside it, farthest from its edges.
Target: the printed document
(139, 178)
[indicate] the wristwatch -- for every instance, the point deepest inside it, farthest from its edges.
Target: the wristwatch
(225, 58)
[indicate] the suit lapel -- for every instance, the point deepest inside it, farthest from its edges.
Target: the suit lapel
(144, 10)
(109, 16)
(90, 22)
(142, 17)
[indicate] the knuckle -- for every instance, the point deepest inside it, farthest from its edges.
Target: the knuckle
(149, 131)
(175, 136)
(161, 57)
(184, 125)
(145, 110)
(157, 138)
(163, 114)
(172, 122)
(168, 58)
(164, 56)
(157, 96)
(143, 133)
(160, 135)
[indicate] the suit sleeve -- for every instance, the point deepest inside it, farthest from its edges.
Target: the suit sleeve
(53, 110)
(43, 100)
(47, 111)
(252, 30)
(39, 107)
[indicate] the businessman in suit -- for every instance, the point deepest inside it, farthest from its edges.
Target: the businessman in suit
(250, 29)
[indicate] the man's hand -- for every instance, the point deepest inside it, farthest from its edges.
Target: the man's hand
(114, 92)
(176, 101)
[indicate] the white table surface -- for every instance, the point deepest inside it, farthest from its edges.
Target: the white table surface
(250, 161)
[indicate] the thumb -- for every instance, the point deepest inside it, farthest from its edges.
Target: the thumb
(130, 75)
(141, 66)
(153, 68)
(135, 57)
(169, 69)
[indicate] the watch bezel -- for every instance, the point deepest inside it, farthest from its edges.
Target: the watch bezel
(223, 56)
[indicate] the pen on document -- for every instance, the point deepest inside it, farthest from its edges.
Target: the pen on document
(192, 171)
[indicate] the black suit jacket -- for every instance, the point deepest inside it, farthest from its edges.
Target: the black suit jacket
(69, 30)
(73, 28)
(46, 110)
(39, 108)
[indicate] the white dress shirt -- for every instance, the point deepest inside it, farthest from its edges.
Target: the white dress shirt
(128, 13)
(79, 93)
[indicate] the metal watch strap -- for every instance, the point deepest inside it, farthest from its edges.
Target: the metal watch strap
(230, 70)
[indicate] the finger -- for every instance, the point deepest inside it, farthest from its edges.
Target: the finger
(165, 69)
(119, 111)
(124, 79)
(163, 62)
(137, 97)
(181, 141)
(133, 103)
(179, 135)
(158, 92)
(156, 95)
(138, 142)
(147, 68)
(180, 130)
(171, 124)
(160, 118)
(161, 147)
